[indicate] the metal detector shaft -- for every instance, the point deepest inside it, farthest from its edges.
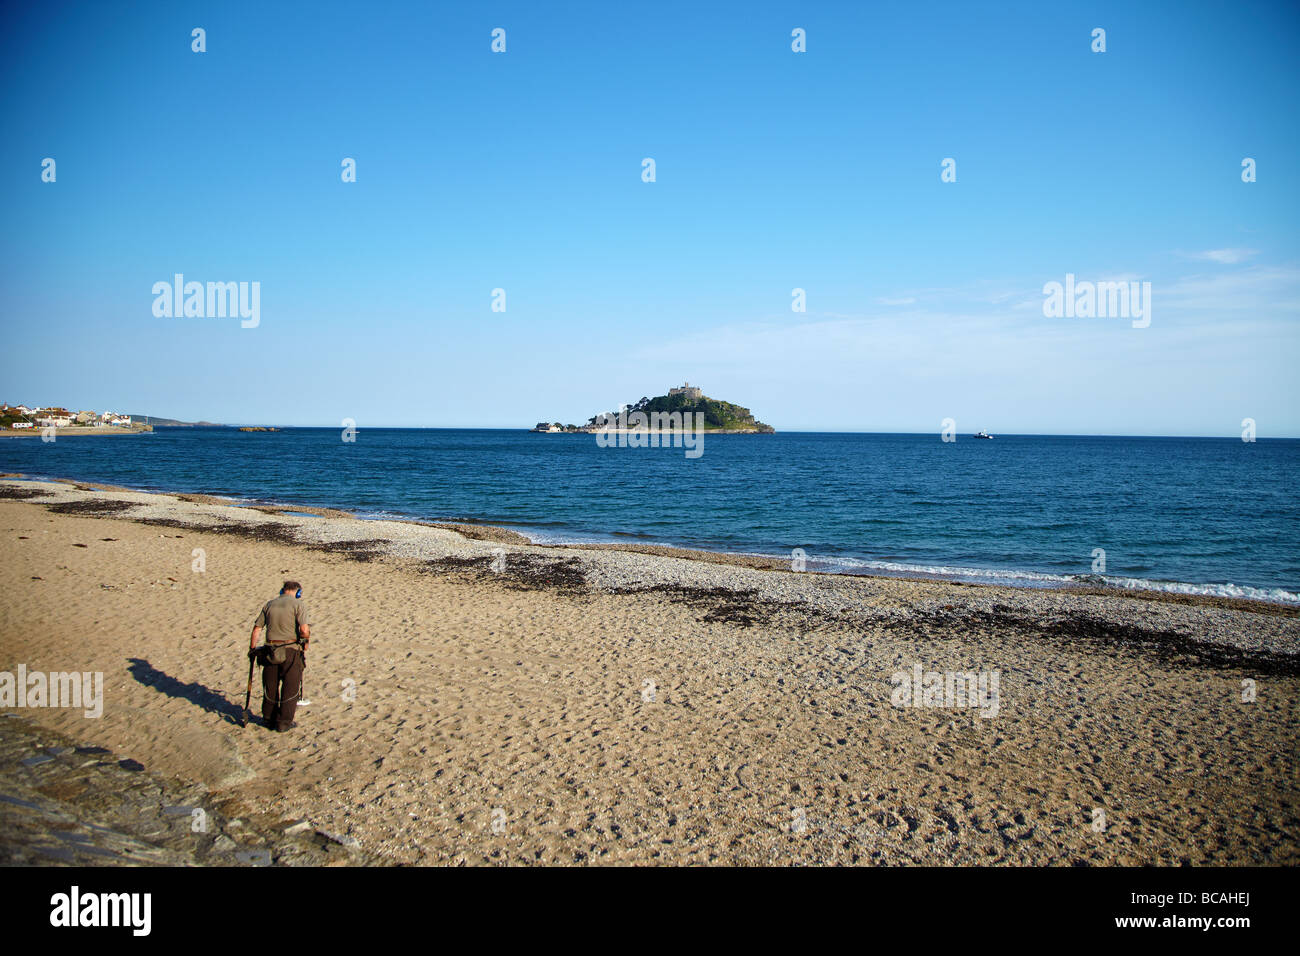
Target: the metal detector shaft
(248, 695)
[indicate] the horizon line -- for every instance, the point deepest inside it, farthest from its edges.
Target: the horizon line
(799, 431)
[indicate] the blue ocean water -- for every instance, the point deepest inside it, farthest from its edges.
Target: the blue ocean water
(1192, 514)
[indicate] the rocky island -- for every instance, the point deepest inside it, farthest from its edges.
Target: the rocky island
(657, 414)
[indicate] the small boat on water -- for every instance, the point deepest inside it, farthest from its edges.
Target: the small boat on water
(982, 434)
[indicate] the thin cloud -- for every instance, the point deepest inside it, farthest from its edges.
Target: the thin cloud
(1264, 290)
(1224, 257)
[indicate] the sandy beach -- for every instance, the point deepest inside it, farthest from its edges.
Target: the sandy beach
(479, 700)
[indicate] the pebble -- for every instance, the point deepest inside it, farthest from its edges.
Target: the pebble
(350, 842)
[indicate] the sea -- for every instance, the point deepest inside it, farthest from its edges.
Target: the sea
(1214, 516)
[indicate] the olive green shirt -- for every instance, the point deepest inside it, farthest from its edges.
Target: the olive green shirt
(281, 617)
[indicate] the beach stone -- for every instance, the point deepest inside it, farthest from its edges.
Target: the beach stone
(178, 811)
(72, 837)
(350, 842)
(254, 857)
(37, 760)
(58, 853)
(101, 851)
(295, 854)
(302, 826)
(223, 844)
(15, 801)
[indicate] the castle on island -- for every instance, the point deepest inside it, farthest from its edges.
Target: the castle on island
(688, 390)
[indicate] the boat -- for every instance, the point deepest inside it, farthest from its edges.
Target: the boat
(982, 434)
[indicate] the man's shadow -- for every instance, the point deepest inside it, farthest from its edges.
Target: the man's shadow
(210, 700)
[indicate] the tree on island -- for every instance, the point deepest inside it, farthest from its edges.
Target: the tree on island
(715, 414)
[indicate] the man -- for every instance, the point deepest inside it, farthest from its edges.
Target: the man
(287, 635)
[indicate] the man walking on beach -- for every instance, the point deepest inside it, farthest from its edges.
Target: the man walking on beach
(287, 635)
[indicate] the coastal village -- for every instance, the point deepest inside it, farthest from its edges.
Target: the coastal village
(556, 427)
(22, 417)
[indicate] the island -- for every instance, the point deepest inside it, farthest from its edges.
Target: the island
(654, 414)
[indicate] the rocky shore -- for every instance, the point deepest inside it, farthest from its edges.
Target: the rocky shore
(65, 804)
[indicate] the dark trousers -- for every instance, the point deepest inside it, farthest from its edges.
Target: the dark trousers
(281, 684)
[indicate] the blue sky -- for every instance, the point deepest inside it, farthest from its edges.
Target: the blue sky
(775, 170)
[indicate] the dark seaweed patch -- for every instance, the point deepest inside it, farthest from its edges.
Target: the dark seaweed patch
(11, 493)
(521, 571)
(267, 531)
(91, 507)
(361, 550)
(722, 605)
(1171, 648)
